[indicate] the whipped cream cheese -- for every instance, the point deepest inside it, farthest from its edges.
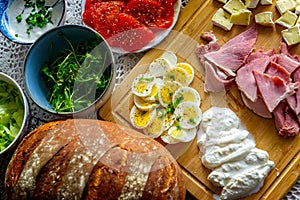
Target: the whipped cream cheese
(230, 152)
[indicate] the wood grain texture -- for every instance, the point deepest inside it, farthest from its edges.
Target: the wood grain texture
(194, 19)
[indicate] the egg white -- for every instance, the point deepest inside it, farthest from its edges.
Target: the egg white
(189, 70)
(186, 94)
(188, 115)
(145, 117)
(177, 74)
(170, 57)
(142, 103)
(156, 128)
(159, 67)
(142, 85)
(181, 134)
(166, 92)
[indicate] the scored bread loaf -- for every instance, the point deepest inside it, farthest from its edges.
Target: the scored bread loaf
(92, 159)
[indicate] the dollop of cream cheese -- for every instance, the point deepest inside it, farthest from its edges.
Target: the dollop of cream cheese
(230, 152)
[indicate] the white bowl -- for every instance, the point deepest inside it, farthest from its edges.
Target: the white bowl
(24, 126)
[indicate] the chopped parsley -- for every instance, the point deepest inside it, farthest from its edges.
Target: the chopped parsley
(39, 16)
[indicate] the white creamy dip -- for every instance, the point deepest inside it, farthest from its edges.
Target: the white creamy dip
(230, 152)
(18, 29)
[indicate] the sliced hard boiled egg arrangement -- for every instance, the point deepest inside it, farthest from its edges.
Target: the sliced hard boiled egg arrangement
(165, 105)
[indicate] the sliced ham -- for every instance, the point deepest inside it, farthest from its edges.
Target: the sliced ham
(287, 62)
(258, 107)
(296, 78)
(233, 54)
(248, 85)
(260, 54)
(273, 89)
(213, 83)
(275, 69)
(286, 121)
(285, 50)
(202, 49)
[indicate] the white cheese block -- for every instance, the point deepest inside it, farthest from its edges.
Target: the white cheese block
(287, 20)
(285, 5)
(291, 35)
(233, 6)
(222, 19)
(297, 9)
(266, 2)
(241, 17)
(264, 18)
(251, 3)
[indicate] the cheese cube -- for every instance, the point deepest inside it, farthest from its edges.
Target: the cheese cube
(222, 19)
(291, 35)
(298, 21)
(251, 3)
(241, 17)
(233, 6)
(266, 2)
(264, 18)
(288, 19)
(285, 5)
(297, 9)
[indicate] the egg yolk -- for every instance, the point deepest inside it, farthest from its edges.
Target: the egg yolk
(143, 103)
(166, 94)
(177, 133)
(141, 86)
(189, 114)
(177, 74)
(156, 125)
(154, 91)
(141, 118)
(188, 96)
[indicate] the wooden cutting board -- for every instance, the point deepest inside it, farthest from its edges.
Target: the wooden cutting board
(194, 19)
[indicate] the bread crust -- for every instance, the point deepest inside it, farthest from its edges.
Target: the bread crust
(92, 159)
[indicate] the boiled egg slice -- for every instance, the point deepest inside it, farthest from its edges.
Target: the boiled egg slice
(181, 134)
(142, 103)
(156, 128)
(165, 137)
(189, 69)
(141, 119)
(169, 120)
(188, 115)
(186, 94)
(159, 67)
(142, 85)
(153, 96)
(177, 74)
(170, 57)
(166, 91)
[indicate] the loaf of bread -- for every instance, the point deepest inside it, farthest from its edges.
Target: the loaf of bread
(92, 159)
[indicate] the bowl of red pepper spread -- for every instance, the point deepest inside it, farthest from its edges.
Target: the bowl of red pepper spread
(131, 25)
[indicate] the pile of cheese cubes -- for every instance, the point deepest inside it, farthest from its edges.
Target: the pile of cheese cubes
(238, 12)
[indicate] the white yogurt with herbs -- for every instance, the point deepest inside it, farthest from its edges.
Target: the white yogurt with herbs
(229, 151)
(29, 19)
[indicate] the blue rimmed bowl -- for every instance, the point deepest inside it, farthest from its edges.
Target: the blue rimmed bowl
(49, 47)
(24, 26)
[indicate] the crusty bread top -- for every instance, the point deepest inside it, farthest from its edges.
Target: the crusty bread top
(92, 159)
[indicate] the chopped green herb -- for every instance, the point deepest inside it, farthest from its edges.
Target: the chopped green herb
(39, 16)
(146, 79)
(192, 120)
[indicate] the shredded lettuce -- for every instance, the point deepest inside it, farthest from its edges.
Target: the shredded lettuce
(11, 114)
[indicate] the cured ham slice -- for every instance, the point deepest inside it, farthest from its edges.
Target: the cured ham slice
(213, 83)
(296, 78)
(258, 107)
(261, 54)
(287, 62)
(273, 89)
(275, 69)
(248, 85)
(285, 120)
(233, 54)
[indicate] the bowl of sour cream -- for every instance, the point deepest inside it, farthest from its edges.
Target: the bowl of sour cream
(23, 21)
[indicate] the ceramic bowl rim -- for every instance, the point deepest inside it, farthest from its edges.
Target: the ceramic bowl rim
(11, 38)
(24, 126)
